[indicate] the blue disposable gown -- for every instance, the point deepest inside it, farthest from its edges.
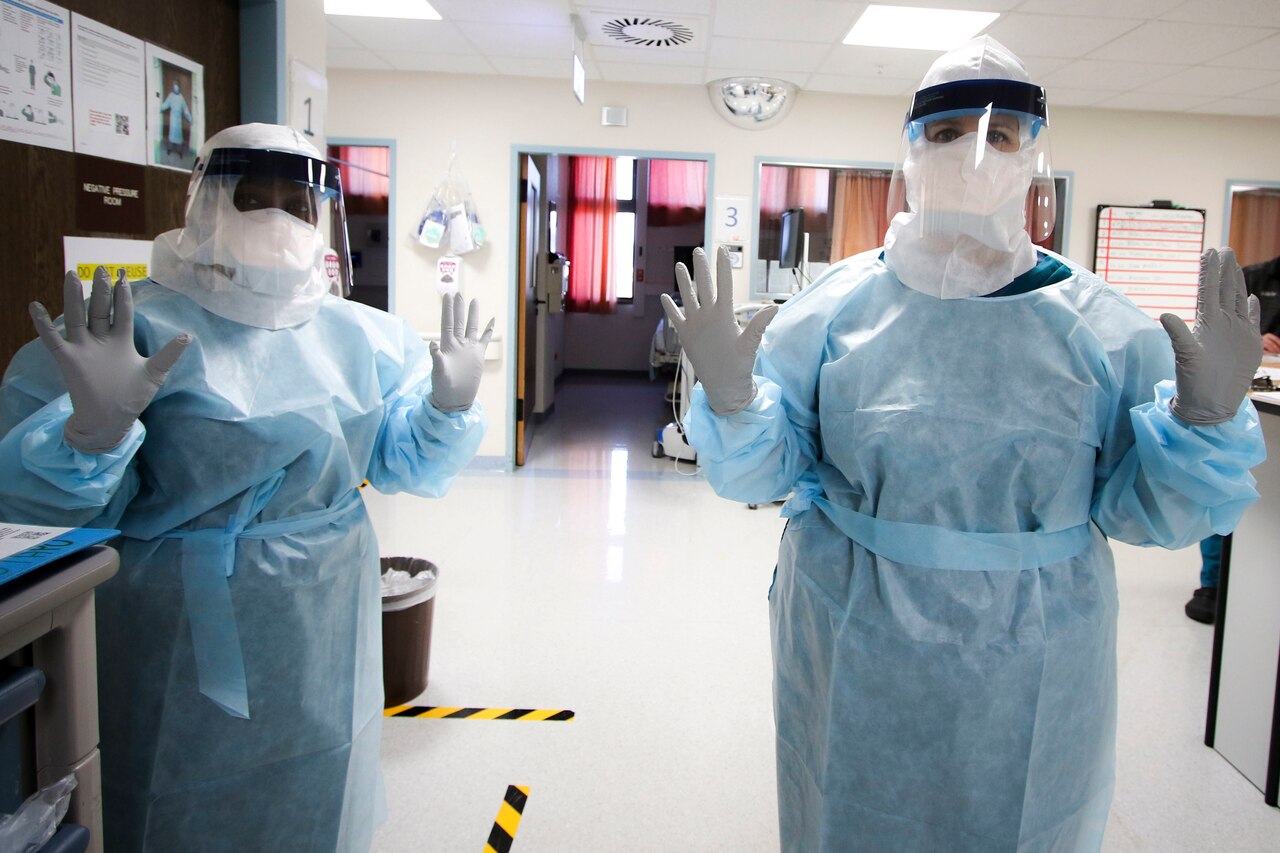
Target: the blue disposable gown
(944, 607)
(248, 566)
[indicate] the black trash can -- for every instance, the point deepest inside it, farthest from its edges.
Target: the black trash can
(407, 605)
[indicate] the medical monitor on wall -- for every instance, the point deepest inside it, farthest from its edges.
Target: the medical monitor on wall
(792, 245)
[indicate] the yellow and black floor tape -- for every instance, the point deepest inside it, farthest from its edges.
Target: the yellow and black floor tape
(429, 712)
(507, 822)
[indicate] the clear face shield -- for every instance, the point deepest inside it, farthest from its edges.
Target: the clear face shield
(272, 220)
(974, 164)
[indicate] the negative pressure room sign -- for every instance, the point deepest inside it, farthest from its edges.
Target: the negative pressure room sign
(109, 196)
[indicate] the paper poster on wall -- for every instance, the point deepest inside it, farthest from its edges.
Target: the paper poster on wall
(1152, 255)
(35, 74)
(107, 72)
(308, 97)
(82, 255)
(733, 219)
(175, 109)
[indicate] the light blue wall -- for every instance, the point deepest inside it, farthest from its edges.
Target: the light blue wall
(262, 54)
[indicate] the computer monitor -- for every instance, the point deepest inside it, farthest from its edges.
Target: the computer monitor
(683, 255)
(792, 246)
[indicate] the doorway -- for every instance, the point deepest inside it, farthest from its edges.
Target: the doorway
(557, 334)
(366, 166)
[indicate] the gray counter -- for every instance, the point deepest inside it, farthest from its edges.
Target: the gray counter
(1244, 700)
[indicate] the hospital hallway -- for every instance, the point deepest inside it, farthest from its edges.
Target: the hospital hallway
(605, 582)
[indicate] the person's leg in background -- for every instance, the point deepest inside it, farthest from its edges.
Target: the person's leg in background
(1203, 606)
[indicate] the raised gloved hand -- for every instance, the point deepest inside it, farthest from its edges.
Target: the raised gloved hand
(722, 357)
(109, 382)
(1217, 359)
(457, 362)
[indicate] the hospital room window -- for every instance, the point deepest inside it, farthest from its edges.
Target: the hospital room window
(624, 228)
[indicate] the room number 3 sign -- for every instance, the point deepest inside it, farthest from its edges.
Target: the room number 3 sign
(733, 219)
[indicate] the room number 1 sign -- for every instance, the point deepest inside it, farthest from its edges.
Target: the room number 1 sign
(308, 94)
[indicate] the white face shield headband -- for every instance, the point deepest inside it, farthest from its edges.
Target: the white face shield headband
(975, 179)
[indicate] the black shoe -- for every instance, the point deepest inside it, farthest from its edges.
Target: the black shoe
(1203, 606)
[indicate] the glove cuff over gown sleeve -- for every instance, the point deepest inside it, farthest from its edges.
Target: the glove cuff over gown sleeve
(1201, 472)
(421, 449)
(49, 482)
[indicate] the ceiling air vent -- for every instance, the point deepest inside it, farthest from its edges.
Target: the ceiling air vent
(644, 30)
(647, 32)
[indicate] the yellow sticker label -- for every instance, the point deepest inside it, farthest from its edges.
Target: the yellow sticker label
(133, 272)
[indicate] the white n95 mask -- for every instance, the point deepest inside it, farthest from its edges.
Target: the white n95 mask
(964, 233)
(270, 250)
(984, 199)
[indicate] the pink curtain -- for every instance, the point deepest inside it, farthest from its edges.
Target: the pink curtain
(794, 186)
(782, 187)
(592, 205)
(365, 169)
(677, 192)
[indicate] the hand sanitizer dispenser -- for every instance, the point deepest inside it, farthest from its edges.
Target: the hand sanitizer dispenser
(449, 275)
(554, 283)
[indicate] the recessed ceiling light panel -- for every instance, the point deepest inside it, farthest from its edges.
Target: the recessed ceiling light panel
(408, 9)
(920, 29)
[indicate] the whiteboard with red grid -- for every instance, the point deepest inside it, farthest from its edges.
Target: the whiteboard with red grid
(1152, 254)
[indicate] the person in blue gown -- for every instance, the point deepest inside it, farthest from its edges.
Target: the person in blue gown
(179, 113)
(223, 416)
(959, 423)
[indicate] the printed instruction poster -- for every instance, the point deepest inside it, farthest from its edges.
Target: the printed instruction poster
(175, 109)
(35, 74)
(110, 85)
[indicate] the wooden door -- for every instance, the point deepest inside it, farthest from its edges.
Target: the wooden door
(526, 322)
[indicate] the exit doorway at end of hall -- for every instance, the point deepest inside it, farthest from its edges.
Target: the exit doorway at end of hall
(622, 219)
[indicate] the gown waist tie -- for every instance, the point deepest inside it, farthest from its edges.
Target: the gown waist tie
(208, 560)
(944, 548)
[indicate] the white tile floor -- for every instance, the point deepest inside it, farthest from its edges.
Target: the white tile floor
(601, 580)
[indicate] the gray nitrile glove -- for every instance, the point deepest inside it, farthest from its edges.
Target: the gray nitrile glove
(722, 357)
(109, 382)
(457, 362)
(1217, 359)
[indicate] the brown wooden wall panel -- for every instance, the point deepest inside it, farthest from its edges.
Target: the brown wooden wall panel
(39, 183)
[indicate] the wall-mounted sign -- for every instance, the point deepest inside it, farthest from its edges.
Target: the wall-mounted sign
(82, 255)
(733, 219)
(175, 109)
(109, 196)
(308, 97)
(110, 106)
(35, 73)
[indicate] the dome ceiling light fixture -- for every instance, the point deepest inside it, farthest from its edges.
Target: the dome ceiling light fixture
(752, 103)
